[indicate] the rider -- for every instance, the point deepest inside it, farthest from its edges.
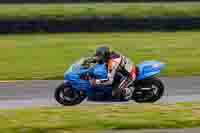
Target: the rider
(121, 72)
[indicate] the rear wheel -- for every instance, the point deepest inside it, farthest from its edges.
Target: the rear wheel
(68, 96)
(148, 91)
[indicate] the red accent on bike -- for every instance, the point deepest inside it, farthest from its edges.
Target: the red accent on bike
(133, 72)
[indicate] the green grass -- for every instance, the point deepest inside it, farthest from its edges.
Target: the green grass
(47, 56)
(102, 117)
(130, 9)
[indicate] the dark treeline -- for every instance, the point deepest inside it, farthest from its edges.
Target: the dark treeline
(98, 24)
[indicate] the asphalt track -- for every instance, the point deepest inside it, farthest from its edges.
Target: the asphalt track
(40, 92)
(184, 130)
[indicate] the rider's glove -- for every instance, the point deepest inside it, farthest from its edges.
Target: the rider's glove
(94, 82)
(98, 82)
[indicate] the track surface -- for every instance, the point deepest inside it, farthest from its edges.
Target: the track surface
(40, 92)
(185, 130)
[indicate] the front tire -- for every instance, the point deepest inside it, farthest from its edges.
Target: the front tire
(67, 96)
(155, 92)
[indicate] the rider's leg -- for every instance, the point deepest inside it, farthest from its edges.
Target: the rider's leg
(116, 93)
(125, 85)
(121, 84)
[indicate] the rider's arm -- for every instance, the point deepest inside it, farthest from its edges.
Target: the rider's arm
(112, 68)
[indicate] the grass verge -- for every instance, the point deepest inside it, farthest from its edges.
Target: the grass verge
(102, 117)
(47, 56)
(100, 9)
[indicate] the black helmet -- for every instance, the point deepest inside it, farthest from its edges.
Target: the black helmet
(103, 53)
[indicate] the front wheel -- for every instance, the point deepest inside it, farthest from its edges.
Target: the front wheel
(68, 96)
(148, 91)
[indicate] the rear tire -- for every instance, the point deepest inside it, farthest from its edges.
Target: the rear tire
(152, 83)
(68, 96)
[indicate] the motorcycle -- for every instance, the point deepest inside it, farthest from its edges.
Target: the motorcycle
(76, 86)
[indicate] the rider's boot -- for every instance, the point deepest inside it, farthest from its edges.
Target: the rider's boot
(128, 92)
(116, 95)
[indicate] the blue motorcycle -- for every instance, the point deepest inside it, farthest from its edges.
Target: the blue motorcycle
(76, 86)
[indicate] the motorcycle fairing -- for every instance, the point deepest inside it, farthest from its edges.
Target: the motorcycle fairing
(99, 71)
(149, 69)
